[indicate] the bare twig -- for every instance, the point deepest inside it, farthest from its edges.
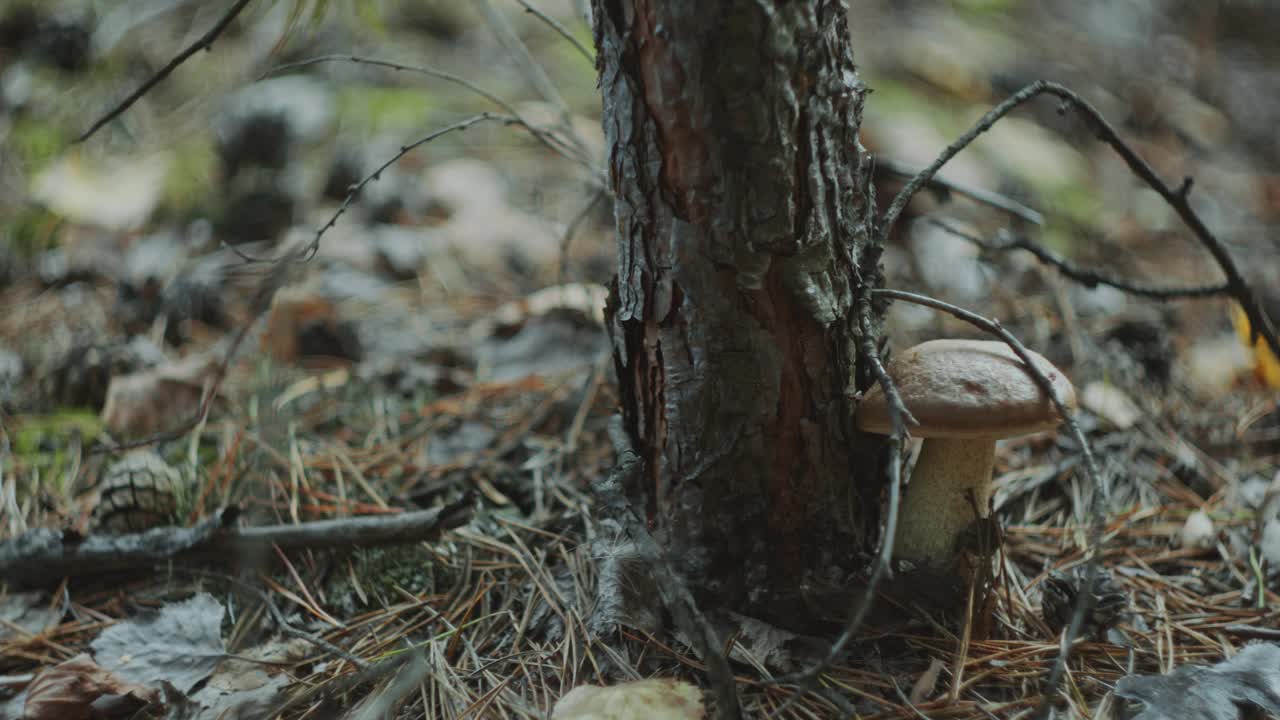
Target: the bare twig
(675, 594)
(524, 59)
(986, 197)
(1096, 523)
(559, 28)
(572, 229)
(1177, 198)
(532, 69)
(570, 149)
(1087, 277)
(312, 247)
(261, 302)
(204, 42)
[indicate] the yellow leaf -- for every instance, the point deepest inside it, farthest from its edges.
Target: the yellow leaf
(1265, 364)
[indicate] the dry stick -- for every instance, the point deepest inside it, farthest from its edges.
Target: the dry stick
(43, 555)
(1177, 198)
(1088, 277)
(551, 140)
(979, 195)
(204, 42)
(1096, 524)
(611, 493)
(559, 28)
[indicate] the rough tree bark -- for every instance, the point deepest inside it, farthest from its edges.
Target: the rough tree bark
(734, 157)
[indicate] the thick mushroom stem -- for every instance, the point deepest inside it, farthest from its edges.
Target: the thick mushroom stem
(951, 478)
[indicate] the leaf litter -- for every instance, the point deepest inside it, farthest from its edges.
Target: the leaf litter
(471, 386)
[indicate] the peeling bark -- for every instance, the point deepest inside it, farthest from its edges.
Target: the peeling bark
(734, 156)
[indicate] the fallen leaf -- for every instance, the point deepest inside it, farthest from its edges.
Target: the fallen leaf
(68, 690)
(158, 398)
(181, 644)
(25, 613)
(305, 324)
(1220, 692)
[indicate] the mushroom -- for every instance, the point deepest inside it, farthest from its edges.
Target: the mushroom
(965, 395)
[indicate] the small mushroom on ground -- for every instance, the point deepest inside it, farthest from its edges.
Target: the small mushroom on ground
(965, 395)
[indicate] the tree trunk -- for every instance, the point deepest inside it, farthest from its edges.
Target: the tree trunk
(734, 157)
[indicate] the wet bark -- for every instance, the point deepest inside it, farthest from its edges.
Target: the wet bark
(735, 161)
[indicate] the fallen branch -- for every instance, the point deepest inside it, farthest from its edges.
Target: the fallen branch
(44, 557)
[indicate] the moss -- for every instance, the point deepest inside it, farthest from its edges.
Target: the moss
(35, 142)
(31, 231)
(193, 170)
(386, 108)
(42, 442)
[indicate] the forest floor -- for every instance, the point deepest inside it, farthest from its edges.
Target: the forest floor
(433, 379)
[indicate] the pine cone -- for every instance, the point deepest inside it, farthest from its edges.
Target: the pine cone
(1106, 608)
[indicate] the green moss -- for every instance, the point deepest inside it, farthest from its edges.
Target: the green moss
(35, 142)
(56, 429)
(41, 442)
(192, 172)
(385, 108)
(31, 230)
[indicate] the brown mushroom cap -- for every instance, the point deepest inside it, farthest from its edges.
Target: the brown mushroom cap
(967, 389)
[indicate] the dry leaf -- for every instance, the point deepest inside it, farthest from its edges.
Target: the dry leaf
(66, 691)
(158, 398)
(924, 685)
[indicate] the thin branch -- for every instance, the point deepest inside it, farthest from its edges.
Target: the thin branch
(995, 200)
(204, 42)
(532, 69)
(1096, 523)
(524, 59)
(572, 229)
(1088, 277)
(570, 150)
(312, 247)
(559, 28)
(261, 302)
(1177, 198)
